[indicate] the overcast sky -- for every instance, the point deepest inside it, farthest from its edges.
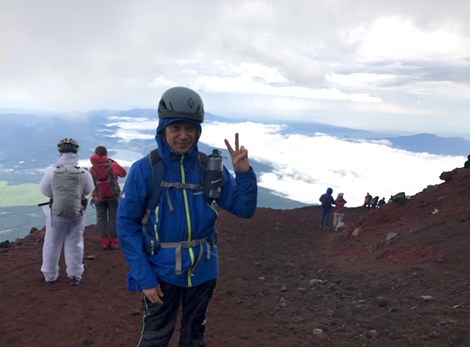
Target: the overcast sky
(390, 66)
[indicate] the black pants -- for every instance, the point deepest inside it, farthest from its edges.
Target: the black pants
(106, 217)
(160, 320)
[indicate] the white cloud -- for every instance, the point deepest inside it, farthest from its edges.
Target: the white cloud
(305, 166)
(398, 38)
(131, 128)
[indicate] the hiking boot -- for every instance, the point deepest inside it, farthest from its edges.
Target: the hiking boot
(114, 243)
(104, 241)
(49, 283)
(74, 281)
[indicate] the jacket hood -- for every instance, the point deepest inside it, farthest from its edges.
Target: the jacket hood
(96, 159)
(166, 152)
(67, 159)
(329, 191)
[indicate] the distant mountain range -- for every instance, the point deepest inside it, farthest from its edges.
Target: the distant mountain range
(28, 145)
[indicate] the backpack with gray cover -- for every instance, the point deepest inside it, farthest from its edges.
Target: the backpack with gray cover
(67, 192)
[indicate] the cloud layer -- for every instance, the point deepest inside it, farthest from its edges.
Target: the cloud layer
(305, 166)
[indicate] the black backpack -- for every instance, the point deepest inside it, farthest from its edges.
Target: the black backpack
(326, 202)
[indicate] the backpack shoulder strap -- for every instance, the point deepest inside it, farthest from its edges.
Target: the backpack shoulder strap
(203, 159)
(158, 174)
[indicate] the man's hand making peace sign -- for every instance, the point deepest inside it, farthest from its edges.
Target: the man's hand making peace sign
(239, 156)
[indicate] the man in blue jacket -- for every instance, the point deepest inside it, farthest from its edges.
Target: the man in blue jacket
(325, 207)
(173, 258)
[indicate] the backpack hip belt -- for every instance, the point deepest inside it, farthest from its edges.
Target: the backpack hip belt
(187, 244)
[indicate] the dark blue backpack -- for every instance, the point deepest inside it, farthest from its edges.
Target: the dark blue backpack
(326, 202)
(158, 183)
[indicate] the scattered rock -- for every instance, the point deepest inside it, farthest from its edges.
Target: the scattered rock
(426, 297)
(447, 175)
(372, 334)
(335, 287)
(381, 301)
(317, 332)
(315, 282)
(356, 232)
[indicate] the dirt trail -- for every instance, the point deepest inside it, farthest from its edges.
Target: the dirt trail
(404, 280)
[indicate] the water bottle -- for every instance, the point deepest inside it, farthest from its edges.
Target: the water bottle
(214, 175)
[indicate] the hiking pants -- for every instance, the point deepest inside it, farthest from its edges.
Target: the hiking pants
(337, 217)
(62, 231)
(106, 217)
(160, 320)
(325, 216)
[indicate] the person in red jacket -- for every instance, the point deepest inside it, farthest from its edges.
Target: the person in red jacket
(105, 173)
(339, 210)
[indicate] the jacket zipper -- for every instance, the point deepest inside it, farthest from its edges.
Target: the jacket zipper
(188, 218)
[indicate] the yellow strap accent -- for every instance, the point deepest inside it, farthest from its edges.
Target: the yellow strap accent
(156, 222)
(188, 218)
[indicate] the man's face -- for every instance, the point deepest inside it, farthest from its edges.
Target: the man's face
(181, 136)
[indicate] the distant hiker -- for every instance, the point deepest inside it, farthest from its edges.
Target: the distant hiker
(373, 202)
(400, 198)
(467, 163)
(178, 265)
(339, 210)
(105, 173)
(67, 185)
(326, 202)
(367, 201)
(381, 202)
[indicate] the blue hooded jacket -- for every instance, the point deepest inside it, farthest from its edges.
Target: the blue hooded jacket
(192, 219)
(327, 200)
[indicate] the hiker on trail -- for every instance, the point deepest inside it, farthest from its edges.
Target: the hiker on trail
(326, 202)
(178, 263)
(67, 185)
(339, 210)
(373, 202)
(105, 173)
(367, 201)
(467, 163)
(381, 202)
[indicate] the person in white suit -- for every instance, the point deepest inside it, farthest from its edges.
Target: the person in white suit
(62, 230)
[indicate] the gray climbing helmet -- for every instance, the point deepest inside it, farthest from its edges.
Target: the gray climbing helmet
(67, 145)
(181, 102)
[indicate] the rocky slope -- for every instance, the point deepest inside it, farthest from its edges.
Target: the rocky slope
(394, 276)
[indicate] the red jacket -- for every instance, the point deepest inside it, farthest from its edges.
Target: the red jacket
(339, 205)
(118, 170)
